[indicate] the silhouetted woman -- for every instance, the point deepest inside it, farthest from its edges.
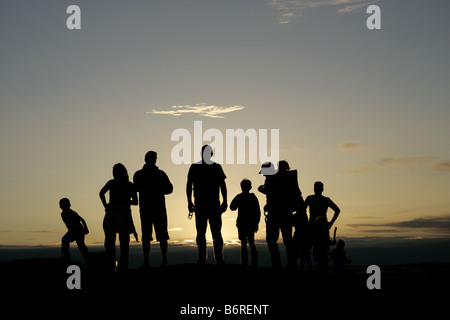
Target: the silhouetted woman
(118, 219)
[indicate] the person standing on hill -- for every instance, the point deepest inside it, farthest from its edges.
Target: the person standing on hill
(249, 214)
(118, 219)
(207, 179)
(153, 184)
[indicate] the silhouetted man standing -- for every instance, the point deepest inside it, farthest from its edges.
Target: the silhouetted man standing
(319, 204)
(152, 185)
(207, 179)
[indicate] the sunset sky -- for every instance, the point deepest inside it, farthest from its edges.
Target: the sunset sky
(364, 111)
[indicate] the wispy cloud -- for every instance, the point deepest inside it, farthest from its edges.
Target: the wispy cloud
(399, 163)
(405, 160)
(292, 9)
(441, 166)
(356, 6)
(201, 109)
(348, 146)
(433, 223)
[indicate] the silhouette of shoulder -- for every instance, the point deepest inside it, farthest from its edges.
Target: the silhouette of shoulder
(248, 207)
(202, 171)
(318, 205)
(244, 200)
(316, 199)
(151, 179)
(207, 180)
(119, 191)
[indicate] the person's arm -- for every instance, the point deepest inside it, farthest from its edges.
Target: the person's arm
(189, 184)
(102, 193)
(83, 223)
(305, 207)
(234, 203)
(336, 210)
(65, 219)
(167, 187)
(333, 242)
(257, 209)
(223, 187)
(137, 181)
(134, 198)
(223, 191)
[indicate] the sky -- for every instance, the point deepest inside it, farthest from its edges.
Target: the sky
(364, 111)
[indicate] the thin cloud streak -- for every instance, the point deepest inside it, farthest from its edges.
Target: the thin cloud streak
(398, 163)
(405, 160)
(434, 223)
(356, 7)
(442, 166)
(201, 109)
(347, 146)
(292, 9)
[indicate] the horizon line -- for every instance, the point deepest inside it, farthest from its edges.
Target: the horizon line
(359, 240)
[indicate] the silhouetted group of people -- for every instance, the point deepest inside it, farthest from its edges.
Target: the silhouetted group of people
(284, 210)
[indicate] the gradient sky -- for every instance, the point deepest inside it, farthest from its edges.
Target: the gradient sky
(366, 112)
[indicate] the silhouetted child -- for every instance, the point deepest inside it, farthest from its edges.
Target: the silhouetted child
(302, 239)
(77, 229)
(339, 257)
(249, 214)
(321, 242)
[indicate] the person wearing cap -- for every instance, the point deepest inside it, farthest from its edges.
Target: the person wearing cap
(283, 197)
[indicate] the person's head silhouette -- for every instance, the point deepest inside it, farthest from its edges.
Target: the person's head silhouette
(318, 187)
(120, 173)
(283, 165)
(246, 185)
(64, 204)
(150, 157)
(340, 244)
(207, 153)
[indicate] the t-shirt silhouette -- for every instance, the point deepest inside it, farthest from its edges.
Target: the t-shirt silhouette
(120, 192)
(206, 179)
(152, 184)
(249, 212)
(318, 206)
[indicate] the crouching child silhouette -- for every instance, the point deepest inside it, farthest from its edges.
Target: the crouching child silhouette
(249, 215)
(340, 258)
(77, 229)
(321, 243)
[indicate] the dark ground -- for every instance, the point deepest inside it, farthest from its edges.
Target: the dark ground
(39, 285)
